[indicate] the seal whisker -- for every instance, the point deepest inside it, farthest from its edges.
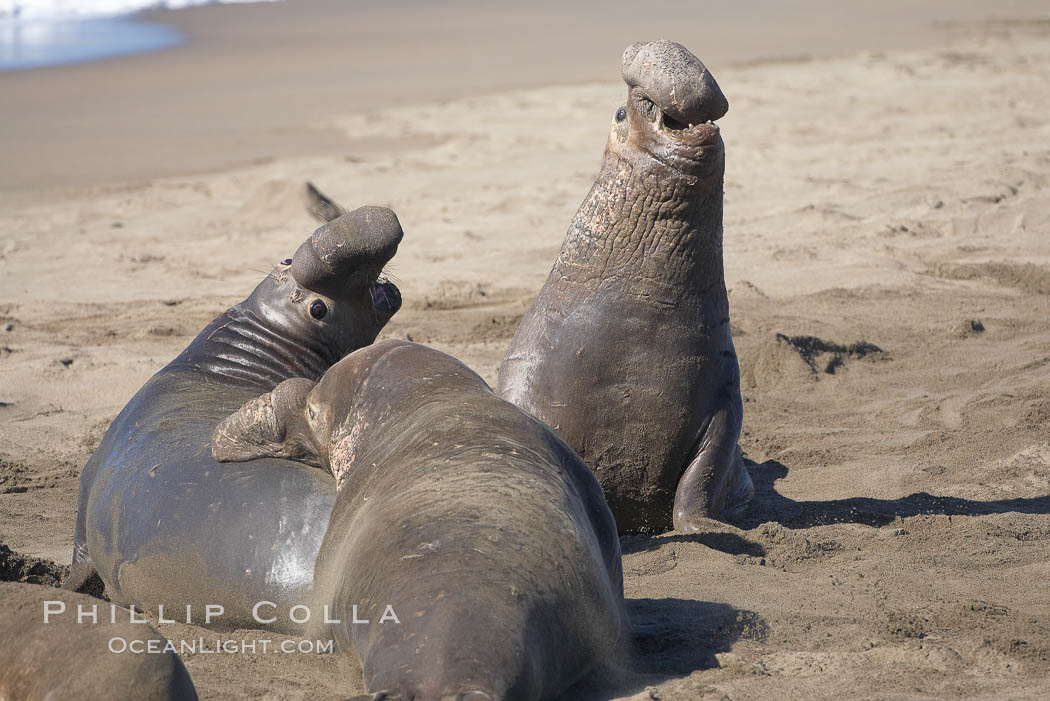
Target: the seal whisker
(270, 274)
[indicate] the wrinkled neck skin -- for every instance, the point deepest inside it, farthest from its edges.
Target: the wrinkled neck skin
(269, 338)
(648, 229)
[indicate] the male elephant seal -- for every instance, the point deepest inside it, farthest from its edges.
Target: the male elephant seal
(626, 351)
(166, 525)
(55, 644)
(480, 529)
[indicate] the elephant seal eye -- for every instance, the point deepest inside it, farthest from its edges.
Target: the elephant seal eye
(286, 261)
(318, 309)
(621, 114)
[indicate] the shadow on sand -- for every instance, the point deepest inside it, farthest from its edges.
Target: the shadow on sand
(673, 638)
(729, 543)
(769, 505)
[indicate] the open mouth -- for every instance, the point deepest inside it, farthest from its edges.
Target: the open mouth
(694, 134)
(673, 124)
(385, 296)
(699, 134)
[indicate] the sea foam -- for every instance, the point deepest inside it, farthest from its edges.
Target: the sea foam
(83, 9)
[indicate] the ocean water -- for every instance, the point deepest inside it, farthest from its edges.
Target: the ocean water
(38, 33)
(80, 9)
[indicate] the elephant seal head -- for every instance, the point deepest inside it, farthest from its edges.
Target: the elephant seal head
(330, 297)
(672, 104)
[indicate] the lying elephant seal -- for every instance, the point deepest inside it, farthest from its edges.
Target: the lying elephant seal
(158, 518)
(626, 352)
(47, 651)
(479, 528)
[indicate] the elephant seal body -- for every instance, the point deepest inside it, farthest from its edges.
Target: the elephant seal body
(162, 522)
(45, 653)
(470, 519)
(626, 351)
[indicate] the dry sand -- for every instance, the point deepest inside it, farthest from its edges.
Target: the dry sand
(887, 246)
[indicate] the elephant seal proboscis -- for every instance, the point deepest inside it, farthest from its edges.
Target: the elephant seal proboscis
(485, 534)
(166, 525)
(626, 351)
(55, 644)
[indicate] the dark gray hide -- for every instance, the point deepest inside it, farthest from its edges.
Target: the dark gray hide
(158, 518)
(485, 534)
(626, 351)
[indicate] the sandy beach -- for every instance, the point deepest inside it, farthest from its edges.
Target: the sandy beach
(887, 251)
(260, 81)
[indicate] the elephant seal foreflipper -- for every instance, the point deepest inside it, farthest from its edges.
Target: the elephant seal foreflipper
(484, 532)
(626, 351)
(158, 518)
(45, 653)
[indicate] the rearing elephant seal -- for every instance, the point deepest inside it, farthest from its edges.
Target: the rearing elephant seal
(626, 351)
(166, 525)
(480, 529)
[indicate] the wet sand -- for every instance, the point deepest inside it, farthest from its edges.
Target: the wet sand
(260, 81)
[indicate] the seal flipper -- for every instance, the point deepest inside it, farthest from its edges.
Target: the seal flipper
(268, 426)
(740, 490)
(715, 484)
(83, 577)
(320, 206)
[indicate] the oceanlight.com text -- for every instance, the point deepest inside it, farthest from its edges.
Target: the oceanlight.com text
(203, 646)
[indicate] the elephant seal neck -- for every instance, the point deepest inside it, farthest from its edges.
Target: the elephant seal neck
(244, 347)
(646, 230)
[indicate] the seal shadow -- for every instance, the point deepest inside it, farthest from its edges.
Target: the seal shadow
(675, 637)
(769, 505)
(728, 543)
(671, 638)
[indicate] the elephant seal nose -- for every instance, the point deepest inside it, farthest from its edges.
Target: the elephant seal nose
(349, 251)
(675, 80)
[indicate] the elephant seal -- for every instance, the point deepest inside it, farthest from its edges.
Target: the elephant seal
(47, 651)
(162, 522)
(626, 351)
(482, 531)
